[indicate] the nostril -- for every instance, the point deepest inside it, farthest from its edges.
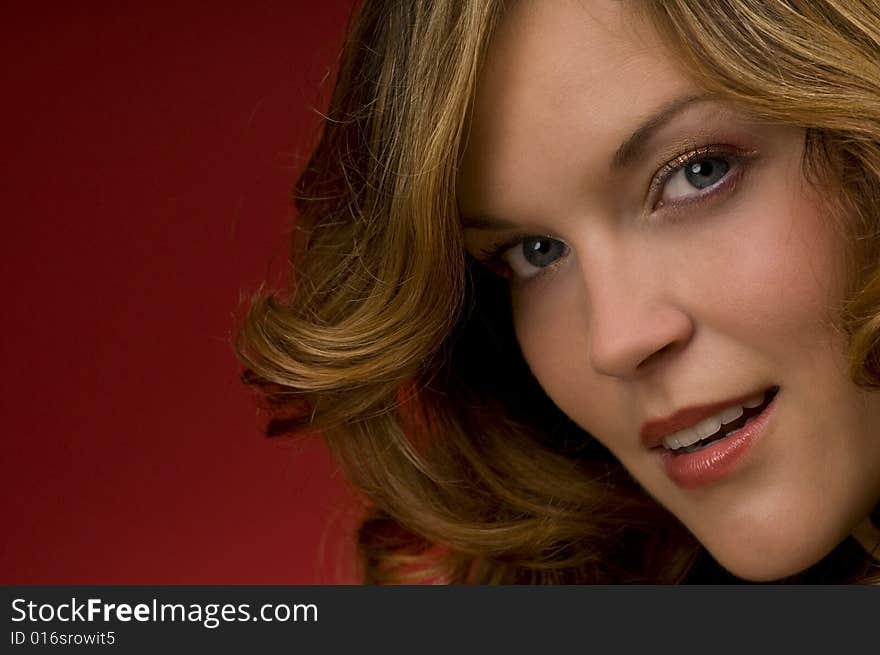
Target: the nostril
(668, 348)
(623, 343)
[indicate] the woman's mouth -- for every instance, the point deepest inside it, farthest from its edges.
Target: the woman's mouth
(720, 426)
(710, 450)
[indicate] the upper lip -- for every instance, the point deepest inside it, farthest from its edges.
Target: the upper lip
(653, 430)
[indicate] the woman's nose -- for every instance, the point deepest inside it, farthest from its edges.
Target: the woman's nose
(634, 323)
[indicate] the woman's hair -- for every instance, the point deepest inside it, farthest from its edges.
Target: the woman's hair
(395, 346)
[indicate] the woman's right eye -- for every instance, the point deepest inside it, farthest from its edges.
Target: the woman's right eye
(532, 256)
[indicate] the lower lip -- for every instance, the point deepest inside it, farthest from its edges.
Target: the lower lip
(695, 470)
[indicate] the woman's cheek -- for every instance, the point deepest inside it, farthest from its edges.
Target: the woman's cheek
(779, 273)
(548, 326)
(551, 324)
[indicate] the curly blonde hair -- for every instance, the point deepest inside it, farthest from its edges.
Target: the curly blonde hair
(400, 351)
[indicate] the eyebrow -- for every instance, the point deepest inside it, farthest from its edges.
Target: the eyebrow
(626, 153)
(634, 145)
(486, 223)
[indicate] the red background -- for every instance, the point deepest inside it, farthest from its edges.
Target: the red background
(148, 154)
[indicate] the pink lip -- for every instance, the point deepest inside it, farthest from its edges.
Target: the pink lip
(654, 430)
(698, 469)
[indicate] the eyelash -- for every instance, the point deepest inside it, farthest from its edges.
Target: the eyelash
(492, 257)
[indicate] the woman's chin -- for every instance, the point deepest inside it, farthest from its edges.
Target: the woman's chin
(771, 559)
(765, 571)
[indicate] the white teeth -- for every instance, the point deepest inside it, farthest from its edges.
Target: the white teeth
(731, 414)
(754, 402)
(690, 436)
(703, 429)
(708, 426)
(711, 425)
(687, 437)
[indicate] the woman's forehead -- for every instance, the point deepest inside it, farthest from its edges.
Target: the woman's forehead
(558, 49)
(564, 77)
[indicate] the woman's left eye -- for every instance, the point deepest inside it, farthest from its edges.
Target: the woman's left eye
(699, 175)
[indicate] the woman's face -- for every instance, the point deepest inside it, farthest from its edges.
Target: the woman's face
(668, 267)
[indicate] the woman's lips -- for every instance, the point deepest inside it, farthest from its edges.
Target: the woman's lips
(654, 430)
(718, 459)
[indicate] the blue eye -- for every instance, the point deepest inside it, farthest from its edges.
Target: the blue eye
(694, 176)
(530, 256)
(705, 172)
